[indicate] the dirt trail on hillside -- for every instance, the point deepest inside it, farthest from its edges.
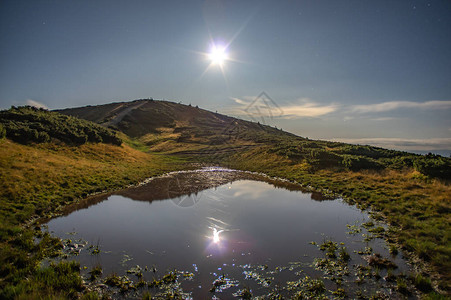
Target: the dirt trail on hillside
(122, 114)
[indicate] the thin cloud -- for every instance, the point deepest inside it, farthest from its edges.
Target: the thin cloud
(304, 107)
(393, 105)
(401, 143)
(241, 101)
(307, 108)
(36, 104)
(359, 117)
(383, 119)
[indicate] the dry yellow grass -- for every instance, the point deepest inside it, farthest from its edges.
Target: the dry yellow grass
(43, 176)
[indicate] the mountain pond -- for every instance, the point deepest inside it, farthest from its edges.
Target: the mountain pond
(216, 233)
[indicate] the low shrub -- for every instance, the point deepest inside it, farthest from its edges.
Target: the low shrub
(434, 165)
(2, 131)
(31, 125)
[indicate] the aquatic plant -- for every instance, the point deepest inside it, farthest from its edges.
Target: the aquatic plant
(170, 277)
(136, 270)
(367, 250)
(353, 229)
(362, 273)
(393, 250)
(368, 224)
(307, 288)
(244, 293)
(422, 283)
(376, 273)
(343, 254)
(95, 249)
(329, 247)
(376, 260)
(141, 283)
(155, 283)
(188, 275)
(340, 293)
(95, 272)
(401, 285)
(390, 277)
(378, 232)
(113, 280)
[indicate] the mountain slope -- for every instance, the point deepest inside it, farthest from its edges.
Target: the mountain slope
(182, 129)
(164, 125)
(140, 117)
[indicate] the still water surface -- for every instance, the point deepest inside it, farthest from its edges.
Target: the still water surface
(251, 233)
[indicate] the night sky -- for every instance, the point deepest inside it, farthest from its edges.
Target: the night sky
(371, 72)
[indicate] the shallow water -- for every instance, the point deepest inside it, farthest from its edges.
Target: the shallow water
(219, 224)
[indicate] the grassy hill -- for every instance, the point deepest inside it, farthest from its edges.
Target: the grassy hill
(169, 127)
(141, 117)
(172, 128)
(95, 148)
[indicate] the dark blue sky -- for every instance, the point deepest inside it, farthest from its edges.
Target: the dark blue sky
(373, 70)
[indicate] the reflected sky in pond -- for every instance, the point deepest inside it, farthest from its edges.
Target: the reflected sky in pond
(235, 224)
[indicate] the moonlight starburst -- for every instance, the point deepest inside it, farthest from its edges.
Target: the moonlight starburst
(218, 54)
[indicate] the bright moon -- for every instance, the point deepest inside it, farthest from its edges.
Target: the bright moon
(218, 55)
(216, 233)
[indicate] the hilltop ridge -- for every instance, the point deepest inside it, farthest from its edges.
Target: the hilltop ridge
(164, 126)
(140, 117)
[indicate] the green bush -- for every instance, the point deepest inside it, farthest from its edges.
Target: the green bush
(399, 162)
(369, 151)
(356, 163)
(324, 158)
(434, 165)
(31, 125)
(2, 131)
